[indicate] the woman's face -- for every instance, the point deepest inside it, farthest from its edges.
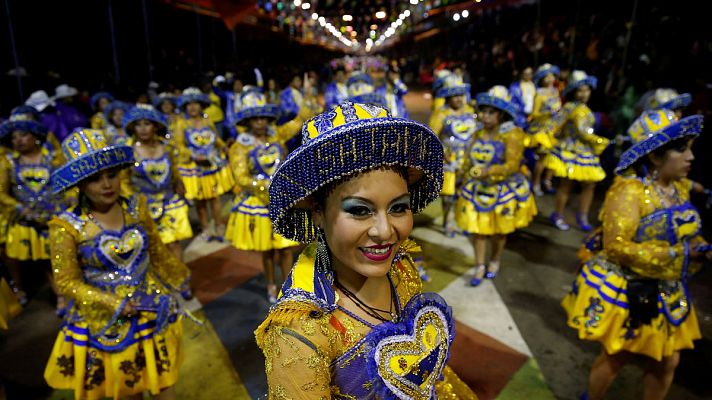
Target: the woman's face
(103, 102)
(144, 130)
(194, 109)
(23, 142)
(456, 102)
(167, 107)
(102, 189)
(258, 125)
(490, 117)
(365, 219)
(117, 116)
(583, 94)
(237, 86)
(549, 80)
(676, 163)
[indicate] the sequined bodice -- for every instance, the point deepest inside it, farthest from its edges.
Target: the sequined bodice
(673, 225)
(200, 140)
(153, 176)
(31, 185)
(485, 153)
(264, 159)
(551, 101)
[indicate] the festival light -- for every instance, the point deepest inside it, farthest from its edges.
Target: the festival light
(465, 13)
(456, 17)
(347, 17)
(306, 6)
(315, 16)
(381, 15)
(297, 3)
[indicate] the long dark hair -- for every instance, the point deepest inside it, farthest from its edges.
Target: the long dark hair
(645, 164)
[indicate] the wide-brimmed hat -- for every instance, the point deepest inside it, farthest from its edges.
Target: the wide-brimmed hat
(344, 141)
(360, 90)
(94, 101)
(115, 105)
(667, 98)
(39, 100)
(453, 86)
(165, 96)
(193, 95)
(254, 104)
(144, 111)
(439, 81)
(649, 122)
(65, 90)
(22, 118)
(88, 152)
(578, 79)
(544, 70)
(686, 127)
(499, 98)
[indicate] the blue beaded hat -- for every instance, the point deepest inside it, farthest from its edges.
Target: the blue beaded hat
(88, 152)
(687, 127)
(165, 96)
(544, 70)
(254, 104)
(453, 86)
(499, 98)
(578, 79)
(667, 98)
(22, 118)
(342, 142)
(439, 81)
(649, 122)
(193, 95)
(360, 90)
(94, 101)
(113, 106)
(144, 111)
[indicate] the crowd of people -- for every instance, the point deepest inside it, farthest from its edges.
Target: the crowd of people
(103, 202)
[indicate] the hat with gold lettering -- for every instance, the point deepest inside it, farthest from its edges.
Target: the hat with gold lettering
(87, 152)
(349, 139)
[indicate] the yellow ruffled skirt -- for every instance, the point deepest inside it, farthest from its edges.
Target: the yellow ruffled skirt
(249, 226)
(204, 183)
(151, 363)
(581, 166)
(495, 208)
(9, 307)
(597, 307)
(26, 243)
(171, 219)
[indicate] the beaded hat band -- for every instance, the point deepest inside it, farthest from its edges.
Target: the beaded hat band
(351, 138)
(144, 111)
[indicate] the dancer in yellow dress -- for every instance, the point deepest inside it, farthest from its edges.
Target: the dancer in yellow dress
(494, 198)
(114, 130)
(206, 175)
(547, 102)
(167, 104)
(575, 157)
(99, 101)
(632, 296)
(122, 334)
(454, 123)
(155, 176)
(352, 321)
(254, 157)
(26, 196)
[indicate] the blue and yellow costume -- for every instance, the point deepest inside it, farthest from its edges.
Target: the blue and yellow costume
(547, 103)
(394, 93)
(116, 135)
(98, 120)
(100, 353)
(173, 117)
(211, 177)
(253, 163)
(575, 157)
(501, 202)
(27, 186)
(360, 90)
(523, 93)
(156, 178)
(643, 241)
(316, 348)
(455, 129)
(335, 93)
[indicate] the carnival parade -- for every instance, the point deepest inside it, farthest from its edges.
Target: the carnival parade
(423, 199)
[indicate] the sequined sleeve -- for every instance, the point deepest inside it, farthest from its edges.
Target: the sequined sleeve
(453, 388)
(513, 153)
(583, 121)
(539, 101)
(5, 170)
(436, 122)
(163, 262)
(621, 217)
(297, 362)
(288, 130)
(239, 164)
(68, 275)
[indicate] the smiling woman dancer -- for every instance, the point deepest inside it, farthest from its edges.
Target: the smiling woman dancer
(352, 320)
(122, 333)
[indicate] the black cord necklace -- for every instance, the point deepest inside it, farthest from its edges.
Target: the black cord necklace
(372, 311)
